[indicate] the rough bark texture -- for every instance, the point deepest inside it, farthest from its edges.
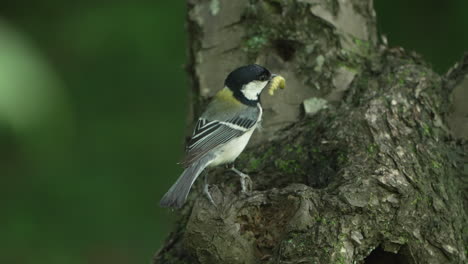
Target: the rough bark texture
(368, 173)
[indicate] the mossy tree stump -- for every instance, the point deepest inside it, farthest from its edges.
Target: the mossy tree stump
(371, 175)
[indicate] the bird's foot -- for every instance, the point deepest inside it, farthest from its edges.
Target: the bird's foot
(246, 182)
(206, 190)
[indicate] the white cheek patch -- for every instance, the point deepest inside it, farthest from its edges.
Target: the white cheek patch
(253, 89)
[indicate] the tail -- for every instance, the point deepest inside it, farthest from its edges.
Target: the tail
(178, 193)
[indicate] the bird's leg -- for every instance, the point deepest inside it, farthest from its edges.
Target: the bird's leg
(246, 182)
(206, 190)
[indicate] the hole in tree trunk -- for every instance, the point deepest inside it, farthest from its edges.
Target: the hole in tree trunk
(380, 256)
(285, 48)
(274, 6)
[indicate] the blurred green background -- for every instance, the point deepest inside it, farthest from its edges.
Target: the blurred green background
(92, 109)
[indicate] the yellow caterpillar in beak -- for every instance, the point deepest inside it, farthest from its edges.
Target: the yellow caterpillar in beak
(277, 82)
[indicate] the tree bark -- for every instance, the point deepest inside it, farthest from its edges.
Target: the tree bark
(355, 162)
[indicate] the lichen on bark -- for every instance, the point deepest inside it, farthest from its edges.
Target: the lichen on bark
(376, 170)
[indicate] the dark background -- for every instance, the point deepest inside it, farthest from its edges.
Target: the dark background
(93, 98)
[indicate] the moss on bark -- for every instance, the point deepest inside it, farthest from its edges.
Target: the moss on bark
(376, 171)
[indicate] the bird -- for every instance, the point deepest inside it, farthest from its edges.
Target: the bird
(222, 131)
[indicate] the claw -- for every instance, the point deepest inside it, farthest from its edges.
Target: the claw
(246, 182)
(206, 190)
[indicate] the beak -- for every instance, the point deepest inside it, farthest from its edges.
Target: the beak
(273, 75)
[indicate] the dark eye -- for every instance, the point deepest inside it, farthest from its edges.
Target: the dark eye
(263, 77)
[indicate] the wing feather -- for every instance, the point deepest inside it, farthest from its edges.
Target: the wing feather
(208, 134)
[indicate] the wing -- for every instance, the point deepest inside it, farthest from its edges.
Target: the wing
(208, 134)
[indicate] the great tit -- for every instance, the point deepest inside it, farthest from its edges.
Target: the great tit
(223, 130)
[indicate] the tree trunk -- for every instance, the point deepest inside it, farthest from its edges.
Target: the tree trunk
(354, 163)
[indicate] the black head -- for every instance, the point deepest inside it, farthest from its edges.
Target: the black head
(239, 79)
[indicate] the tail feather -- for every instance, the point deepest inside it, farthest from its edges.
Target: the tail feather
(178, 193)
